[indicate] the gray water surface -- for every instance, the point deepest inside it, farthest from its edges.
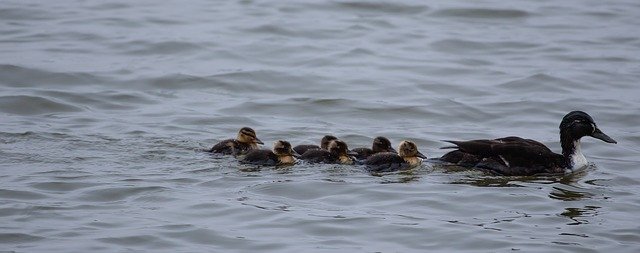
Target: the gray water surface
(105, 107)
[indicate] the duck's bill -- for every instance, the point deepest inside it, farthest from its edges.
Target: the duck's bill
(295, 154)
(392, 150)
(421, 155)
(258, 141)
(602, 136)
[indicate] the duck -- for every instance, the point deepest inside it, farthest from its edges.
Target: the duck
(245, 141)
(338, 153)
(515, 156)
(281, 154)
(380, 144)
(324, 143)
(408, 157)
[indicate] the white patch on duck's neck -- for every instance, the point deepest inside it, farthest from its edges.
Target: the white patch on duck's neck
(577, 158)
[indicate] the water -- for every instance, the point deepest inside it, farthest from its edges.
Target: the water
(105, 106)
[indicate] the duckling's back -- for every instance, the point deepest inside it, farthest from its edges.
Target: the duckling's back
(260, 157)
(301, 149)
(363, 153)
(319, 156)
(231, 147)
(385, 162)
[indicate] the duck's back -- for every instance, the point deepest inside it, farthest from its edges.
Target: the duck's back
(319, 156)
(301, 149)
(260, 157)
(508, 156)
(385, 162)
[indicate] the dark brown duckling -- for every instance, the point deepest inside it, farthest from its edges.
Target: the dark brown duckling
(245, 141)
(407, 158)
(282, 154)
(338, 153)
(324, 144)
(380, 144)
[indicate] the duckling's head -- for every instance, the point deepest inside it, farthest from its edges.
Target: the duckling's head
(382, 144)
(247, 135)
(340, 149)
(324, 143)
(283, 148)
(285, 153)
(409, 149)
(578, 124)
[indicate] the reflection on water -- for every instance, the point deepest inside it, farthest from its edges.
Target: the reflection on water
(562, 193)
(575, 214)
(481, 179)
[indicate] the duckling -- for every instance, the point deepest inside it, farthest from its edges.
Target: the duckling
(338, 153)
(515, 156)
(380, 144)
(245, 141)
(408, 157)
(282, 154)
(324, 143)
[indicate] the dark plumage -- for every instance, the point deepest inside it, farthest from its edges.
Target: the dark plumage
(407, 158)
(518, 156)
(380, 144)
(324, 143)
(282, 154)
(245, 141)
(338, 153)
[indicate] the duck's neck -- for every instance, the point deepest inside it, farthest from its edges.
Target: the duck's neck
(571, 151)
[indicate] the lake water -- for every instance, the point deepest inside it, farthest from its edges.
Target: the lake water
(105, 107)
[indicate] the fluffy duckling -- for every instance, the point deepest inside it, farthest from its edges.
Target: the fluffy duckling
(282, 154)
(380, 144)
(245, 141)
(407, 158)
(337, 153)
(324, 144)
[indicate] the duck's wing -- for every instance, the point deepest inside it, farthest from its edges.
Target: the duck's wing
(510, 151)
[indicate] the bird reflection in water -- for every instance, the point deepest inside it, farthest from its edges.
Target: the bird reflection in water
(575, 214)
(483, 180)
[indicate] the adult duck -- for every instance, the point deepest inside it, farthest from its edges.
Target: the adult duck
(515, 156)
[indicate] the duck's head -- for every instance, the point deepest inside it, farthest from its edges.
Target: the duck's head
(340, 148)
(247, 135)
(409, 149)
(382, 144)
(578, 124)
(283, 148)
(324, 143)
